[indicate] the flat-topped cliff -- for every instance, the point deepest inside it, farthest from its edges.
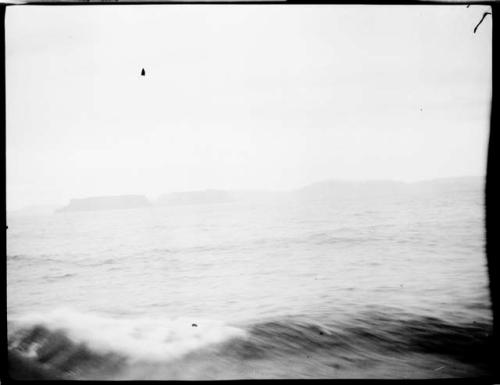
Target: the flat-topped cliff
(106, 203)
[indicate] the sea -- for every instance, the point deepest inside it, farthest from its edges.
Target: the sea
(392, 286)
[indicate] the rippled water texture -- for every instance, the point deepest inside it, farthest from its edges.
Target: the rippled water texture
(383, 287)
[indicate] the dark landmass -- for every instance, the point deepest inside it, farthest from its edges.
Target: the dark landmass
(107, 203)
(327, 190)
(456, 184)
(380, 188)
(324, 190)
(201, 197)
(195, 197)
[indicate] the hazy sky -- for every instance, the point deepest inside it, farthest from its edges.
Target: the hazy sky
(240, 96)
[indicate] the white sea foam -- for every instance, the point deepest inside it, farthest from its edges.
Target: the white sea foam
(138, 339)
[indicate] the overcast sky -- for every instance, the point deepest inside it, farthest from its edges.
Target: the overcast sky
(240, 96)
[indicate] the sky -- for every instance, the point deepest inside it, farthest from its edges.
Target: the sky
(240, 97)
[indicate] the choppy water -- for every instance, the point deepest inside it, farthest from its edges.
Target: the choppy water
(286, 288)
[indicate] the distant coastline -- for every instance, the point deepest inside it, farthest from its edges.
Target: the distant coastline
(327, 189)
(119, 202)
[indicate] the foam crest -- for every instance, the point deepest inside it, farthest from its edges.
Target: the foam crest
(135, 338)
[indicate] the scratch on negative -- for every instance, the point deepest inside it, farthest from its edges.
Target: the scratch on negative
(480, 21)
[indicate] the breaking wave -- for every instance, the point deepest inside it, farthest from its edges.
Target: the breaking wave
(70, 344)
(65, 340)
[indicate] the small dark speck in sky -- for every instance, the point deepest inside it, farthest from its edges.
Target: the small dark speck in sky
(143, 73)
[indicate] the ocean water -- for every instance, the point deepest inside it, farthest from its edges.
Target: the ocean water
(387, 287)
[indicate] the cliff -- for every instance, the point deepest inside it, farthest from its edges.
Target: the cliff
(107, 203)
(195, 197)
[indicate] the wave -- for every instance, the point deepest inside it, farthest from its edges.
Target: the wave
(368, 334)
(65, 339)
(70, 344)
(57, 277)
(52, 354)
(33, 258)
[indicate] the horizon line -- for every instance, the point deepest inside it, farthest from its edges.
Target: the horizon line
(148, 196)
